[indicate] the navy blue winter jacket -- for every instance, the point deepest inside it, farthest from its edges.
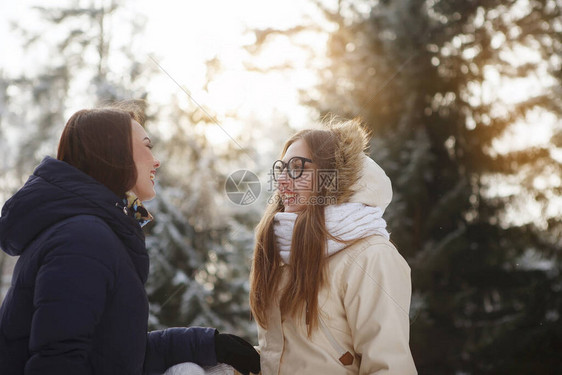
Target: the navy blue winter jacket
(77, 303)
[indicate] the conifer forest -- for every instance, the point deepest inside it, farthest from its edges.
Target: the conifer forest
(463, 99)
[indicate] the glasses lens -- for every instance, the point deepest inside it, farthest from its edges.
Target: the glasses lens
(277, 169)
(296, 166)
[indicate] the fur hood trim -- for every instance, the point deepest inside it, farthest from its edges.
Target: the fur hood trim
(352, 141)
(360, 179)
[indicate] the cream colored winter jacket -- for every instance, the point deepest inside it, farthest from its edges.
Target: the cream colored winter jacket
(364, 308)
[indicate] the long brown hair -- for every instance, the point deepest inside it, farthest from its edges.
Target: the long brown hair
(306, 268)
(99, 143)
(338, 148)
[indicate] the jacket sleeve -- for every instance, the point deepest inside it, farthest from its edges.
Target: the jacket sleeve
(168, 347)
(377, 300)
(71, 288)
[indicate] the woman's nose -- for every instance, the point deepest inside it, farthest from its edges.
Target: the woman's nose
(156, 163)
(284, 181)
(283, 176)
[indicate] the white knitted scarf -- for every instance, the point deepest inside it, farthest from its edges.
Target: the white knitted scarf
(347, 221)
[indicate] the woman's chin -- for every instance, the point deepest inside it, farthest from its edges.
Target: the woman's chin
(149, 198)
(145, 197)
(293, 208)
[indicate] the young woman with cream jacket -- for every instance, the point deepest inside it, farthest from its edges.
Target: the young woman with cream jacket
(329, 291)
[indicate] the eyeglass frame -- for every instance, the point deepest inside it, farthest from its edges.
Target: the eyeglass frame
(286, 165)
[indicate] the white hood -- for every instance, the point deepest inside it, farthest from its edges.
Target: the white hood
(373, 187)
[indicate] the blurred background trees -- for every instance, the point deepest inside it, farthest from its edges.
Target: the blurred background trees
(464, 101)
(476, 207)
(200, 246)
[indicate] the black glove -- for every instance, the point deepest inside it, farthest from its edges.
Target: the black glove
(236, 352)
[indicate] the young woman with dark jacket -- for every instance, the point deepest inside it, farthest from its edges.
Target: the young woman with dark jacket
(77, 303)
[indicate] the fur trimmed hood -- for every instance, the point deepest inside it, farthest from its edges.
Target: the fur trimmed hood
(360, 179)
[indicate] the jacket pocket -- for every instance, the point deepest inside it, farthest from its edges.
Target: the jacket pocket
(344, 356)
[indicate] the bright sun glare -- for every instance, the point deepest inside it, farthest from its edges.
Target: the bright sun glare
(183, 37)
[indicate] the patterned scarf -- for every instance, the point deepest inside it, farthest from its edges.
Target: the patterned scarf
(135, 209)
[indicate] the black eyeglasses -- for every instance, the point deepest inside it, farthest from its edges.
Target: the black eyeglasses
(295, 167)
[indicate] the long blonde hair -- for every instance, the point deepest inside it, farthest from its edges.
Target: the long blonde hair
(337, 149)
